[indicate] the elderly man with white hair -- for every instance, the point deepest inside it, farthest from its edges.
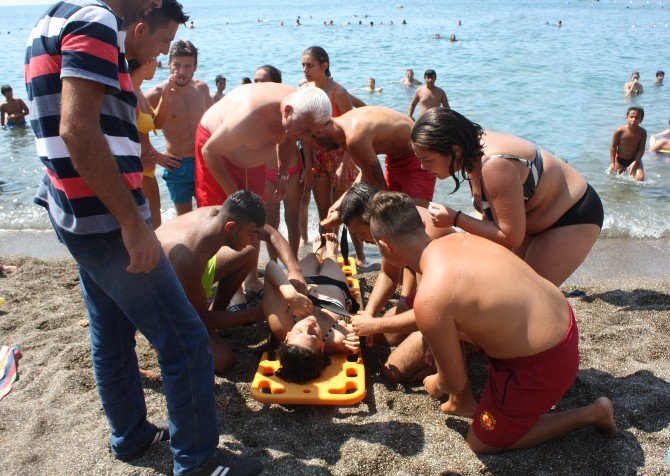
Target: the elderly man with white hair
(239, 134)
(251, 125)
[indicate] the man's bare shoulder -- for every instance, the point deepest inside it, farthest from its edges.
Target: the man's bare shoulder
(156, 90)
(200, 85)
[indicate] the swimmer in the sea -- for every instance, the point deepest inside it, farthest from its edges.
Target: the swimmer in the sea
(660, 75)
(372, 88)
(628, 143)
(633, 87)
(409, 79)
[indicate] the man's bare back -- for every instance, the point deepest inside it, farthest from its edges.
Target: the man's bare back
(182, 237)
(248, 122)
(502, 319)
(367, 131)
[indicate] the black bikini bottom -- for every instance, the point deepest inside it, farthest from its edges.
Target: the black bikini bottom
(588, 210)
(318, 279)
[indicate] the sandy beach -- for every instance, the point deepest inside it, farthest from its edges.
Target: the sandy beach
(52, 421)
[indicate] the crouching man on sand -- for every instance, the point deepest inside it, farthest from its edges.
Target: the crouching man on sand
(216, 245)
(473, 289)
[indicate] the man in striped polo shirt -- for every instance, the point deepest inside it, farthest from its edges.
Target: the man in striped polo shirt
(83, 116)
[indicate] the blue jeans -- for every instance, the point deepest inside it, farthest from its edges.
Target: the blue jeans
(118, 304)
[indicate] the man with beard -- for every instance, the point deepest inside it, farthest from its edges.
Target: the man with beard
(83, 107)
(185, 100)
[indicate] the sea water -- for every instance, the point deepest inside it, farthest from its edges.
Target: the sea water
(512, 70)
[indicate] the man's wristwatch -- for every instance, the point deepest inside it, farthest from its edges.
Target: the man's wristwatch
(283, 177)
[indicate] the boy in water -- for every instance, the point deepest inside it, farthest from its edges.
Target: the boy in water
(523, 324)
(628, 145)
(220, 82)
(660, 75)
(428, 96)
(15, 109)
(633, 87)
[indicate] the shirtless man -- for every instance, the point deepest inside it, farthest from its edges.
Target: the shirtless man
(211, 245)
(367, 131)
(15, 109)
(185, 101)
(398, 326)
(248, 127)
(628, 144)
(409, 80)
(372, 86)
(633, 87)
(428, 96)
(521, 321)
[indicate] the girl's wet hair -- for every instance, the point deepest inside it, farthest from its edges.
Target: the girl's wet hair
(300, 364)
(320, 55)
(440, 129)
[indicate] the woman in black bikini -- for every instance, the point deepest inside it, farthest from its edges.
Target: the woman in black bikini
(307, 332)
(531, 201)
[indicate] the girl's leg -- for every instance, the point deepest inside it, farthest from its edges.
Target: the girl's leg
(556, 253)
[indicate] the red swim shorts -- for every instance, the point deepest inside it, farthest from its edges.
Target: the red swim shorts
(519, 391)
(404, 174)
(207, 189)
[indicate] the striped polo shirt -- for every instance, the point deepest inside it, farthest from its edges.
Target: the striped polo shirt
(81, 39)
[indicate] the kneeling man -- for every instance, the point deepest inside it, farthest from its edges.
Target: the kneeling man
(476, 290)
(216, 244)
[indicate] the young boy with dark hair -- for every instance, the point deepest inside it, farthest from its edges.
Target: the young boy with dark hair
(15, 109)
(220, 82)
(628, 143)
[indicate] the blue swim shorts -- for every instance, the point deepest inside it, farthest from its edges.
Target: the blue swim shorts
(181, 182)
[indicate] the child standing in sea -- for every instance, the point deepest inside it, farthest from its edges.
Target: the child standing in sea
(628, 143)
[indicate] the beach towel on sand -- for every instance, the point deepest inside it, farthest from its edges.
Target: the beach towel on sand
(8, 369)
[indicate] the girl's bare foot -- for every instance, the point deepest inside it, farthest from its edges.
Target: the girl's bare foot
(603, 414)
(332, 246)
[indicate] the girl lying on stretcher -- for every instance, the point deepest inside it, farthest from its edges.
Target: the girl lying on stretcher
(308, 332)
